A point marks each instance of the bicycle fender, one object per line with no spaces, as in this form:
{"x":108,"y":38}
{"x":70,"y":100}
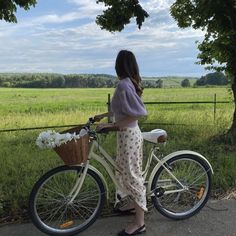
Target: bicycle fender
{"x":102,"y":178}
{"x":171,"y":155}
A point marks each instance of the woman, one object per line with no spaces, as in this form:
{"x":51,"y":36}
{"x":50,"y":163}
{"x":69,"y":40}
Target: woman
{"x":127,"y":107}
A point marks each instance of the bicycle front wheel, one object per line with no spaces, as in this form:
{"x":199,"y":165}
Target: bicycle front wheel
{"x":51,"y":210}
{"x":175,"y":201}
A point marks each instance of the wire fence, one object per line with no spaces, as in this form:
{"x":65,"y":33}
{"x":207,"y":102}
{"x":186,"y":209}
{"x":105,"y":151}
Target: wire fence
{"x":214,"y":102}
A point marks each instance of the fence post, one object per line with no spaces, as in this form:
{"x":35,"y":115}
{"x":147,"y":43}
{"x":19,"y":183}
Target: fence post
{"x":109,"y":108}
{"x":214,"y":107}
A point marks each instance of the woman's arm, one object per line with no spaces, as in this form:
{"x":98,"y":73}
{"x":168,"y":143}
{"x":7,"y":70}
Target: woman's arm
{"x":103,"y":115}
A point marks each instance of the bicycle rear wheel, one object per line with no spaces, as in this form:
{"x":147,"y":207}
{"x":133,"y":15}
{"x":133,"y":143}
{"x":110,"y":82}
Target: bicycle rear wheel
{"x":175,"y":202}
{"x":50,"y":208}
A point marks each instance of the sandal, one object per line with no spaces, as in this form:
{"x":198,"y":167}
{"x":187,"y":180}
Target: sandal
{"x":140,"y":230}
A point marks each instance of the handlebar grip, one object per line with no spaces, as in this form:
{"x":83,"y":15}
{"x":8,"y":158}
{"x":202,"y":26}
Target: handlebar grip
{"x":91,"y":120}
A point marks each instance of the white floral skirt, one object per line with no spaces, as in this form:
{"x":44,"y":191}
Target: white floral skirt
{"x":129,"y":160}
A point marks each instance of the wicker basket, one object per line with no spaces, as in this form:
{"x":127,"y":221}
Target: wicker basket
{"x":74,"y":152}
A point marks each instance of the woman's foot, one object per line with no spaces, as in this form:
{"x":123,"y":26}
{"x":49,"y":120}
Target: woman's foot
{"x":132,"y":230}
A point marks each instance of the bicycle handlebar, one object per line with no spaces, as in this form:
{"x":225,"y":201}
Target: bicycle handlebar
{"x":91,"y":121}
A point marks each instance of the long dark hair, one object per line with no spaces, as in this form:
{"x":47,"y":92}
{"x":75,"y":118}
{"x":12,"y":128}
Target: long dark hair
{"x":127,"y":66}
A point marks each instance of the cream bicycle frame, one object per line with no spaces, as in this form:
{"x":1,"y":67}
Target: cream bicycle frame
{"x":110,"y":166}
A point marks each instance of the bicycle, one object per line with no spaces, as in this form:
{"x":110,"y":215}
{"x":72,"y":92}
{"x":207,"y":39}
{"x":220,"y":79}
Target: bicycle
{"x":68,"y":199}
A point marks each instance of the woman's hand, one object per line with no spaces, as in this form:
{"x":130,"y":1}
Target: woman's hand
{"x":101,"y":116}
{"x":98,"y":117}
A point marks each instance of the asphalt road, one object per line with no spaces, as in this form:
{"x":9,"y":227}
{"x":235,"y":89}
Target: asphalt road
{"x":218,"y":218}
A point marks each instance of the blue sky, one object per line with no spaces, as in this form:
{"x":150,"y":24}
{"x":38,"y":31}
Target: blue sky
{"x":61,"y":36}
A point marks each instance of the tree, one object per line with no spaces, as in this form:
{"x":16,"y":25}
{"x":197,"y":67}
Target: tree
{"x":159,"y":83}
{"x":8,"y":8}
{"x":216,"y":17}
{"x":119,"y":13}
{"x":216,"y":78}
{"x":185,"y":83}
{"x":57,"y":81}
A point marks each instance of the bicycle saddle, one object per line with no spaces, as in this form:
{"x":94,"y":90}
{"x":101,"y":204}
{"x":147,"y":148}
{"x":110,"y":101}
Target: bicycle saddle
{"x":155,"y":136}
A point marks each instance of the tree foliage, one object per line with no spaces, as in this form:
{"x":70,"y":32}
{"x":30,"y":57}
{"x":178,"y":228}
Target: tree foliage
{"x":50,"y":80}
{"x":153,"y":83}
{"x":8,"y":8}
{"x":119,"y":13}
{"x":218,"y":19}
{"x":185,"y":83}
{"x":216,"y":78}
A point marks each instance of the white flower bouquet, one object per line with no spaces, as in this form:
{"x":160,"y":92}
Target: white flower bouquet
{"x":71,"y":147}
{"x":51,"y":139}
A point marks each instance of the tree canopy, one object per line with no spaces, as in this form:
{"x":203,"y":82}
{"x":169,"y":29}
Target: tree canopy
{"x":185,"y":83}
{"x":119,"y":13}
{"x":8,"y":8}
{"x":216,"y":78}
{"x":218,"y":19}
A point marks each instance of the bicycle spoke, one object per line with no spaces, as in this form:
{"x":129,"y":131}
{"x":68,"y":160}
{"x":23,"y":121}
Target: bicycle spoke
{"x":47,"y":201}
{"x":51,"y":190}
{"x":90,"y":209}
{"x":62,"y":216}
{"x":50,"y":218}
{"x":198,"y":178}
{"x":78,"y":212}
{"x":89,"y":197}
{"x":48,"y":209}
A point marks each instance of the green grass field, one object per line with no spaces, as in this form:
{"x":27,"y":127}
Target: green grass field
{"x":189,"y":126}
{"x":43,"y":107}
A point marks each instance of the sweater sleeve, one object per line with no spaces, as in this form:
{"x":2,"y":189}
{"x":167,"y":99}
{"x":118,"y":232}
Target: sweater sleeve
{"x":131,"y":104}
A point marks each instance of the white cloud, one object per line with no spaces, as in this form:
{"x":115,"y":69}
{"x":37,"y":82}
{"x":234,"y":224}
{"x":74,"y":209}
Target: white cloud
{"x":155,"y":6}
{"x":71,"y":42}
{"x":54,"y":18}
{"x":88,"y":8}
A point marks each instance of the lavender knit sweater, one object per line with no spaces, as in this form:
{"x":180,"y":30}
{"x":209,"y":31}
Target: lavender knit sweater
{"x":126,"y":102}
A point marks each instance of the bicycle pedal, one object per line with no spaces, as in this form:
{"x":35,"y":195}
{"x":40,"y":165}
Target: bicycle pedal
{"x":66,"y":224}
{"x":159,"y":192}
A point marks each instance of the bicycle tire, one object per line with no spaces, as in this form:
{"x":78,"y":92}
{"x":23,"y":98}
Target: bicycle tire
{"x":198,"y":193}
{"x":47,"y":197}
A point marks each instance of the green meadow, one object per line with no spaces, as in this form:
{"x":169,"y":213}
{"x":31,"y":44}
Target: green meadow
{"x":189,"y":126}
{"x":36,"y":107}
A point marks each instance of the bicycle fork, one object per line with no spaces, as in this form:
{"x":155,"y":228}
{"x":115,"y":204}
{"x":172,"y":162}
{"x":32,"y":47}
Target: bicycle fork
{"x":80,"y":180}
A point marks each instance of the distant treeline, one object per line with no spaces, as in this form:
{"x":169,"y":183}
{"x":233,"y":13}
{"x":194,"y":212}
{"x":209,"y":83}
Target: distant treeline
{"x":50,"y":80}
{"x":45,"y":80}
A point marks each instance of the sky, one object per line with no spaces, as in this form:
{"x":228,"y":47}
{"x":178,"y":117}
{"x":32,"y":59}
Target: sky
{"x":61,"y":36}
